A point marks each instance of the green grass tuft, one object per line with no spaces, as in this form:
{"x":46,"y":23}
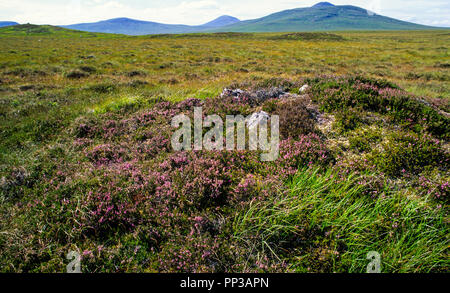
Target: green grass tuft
{"x":326,"y":223}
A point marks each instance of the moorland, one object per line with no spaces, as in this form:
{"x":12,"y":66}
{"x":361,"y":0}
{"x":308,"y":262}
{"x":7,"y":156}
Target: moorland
{"x":86,"y":163}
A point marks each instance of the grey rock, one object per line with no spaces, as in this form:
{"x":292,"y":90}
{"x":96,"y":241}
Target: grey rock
{"x":258,"y":119}
{"x":304,"y":88}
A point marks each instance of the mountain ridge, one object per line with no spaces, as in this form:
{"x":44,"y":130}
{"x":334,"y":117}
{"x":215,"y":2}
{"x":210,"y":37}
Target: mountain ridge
{"x":323,"y":4}
{"x":8,"y":23}
{"x":323,"y":16}
{"x":130,"y":26}
{"x":222,"y":21}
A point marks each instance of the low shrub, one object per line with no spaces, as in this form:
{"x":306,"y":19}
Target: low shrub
{"x":341,"y":94}
{"x":76,"y":74}
{"x":409,"y":153}
{"x":102,"y":88}
{"x":88,"y":69}
{"x":347,"y":120}
{"x":434,"y":185}
{"x":295,"y":119}
{"x":106,"y":154}
{"x":308,"y":150}
{"x":363,"y":139}
{"x":85,"y":127}
{"x":136,"y":73}
{"x":308,"y":37}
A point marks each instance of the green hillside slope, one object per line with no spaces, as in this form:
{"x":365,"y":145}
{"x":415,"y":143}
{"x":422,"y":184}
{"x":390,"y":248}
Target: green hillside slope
{"x":322,"y":18}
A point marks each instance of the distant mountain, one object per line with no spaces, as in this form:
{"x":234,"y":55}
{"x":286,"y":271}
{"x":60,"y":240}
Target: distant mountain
{"x":323,"y":4}
{"x":44,"y":30}
{"x":129,"y":26}
{"x":323,"y":16}
{"x":7,"y":23}
{"x":222,"y":21}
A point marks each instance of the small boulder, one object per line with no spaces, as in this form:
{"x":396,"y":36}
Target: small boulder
{"x":273,"y":93}
{"x":232,"y":93}
{"x":256,"y":119}
{"x":304,"y":88}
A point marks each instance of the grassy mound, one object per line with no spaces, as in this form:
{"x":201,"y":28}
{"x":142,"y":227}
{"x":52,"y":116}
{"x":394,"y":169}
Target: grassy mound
{"x":309,"y":37}
{"x":122,"y":191}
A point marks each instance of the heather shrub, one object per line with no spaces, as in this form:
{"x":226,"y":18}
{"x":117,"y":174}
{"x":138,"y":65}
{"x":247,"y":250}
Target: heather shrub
{"x":207,"y":182}
{"x":227,"y":106}
{"x":197,"y":254}
{"x":256,"y":187}
{"x":364,"y":139}
{"x":270,"y":106}
{"x":159,"y":115}
{"x":135,"y":73}
{"x":105,"y":154}
{"x":129,"y":254}
{"x":200,"y":252}
{"x":112,"y":128}
{"x":88,"y":69}
{"x":189,"y":104}
{"x":247,"y":188}
{"x":339,"y":94}
{"x":438,"y":187}
{"x":115,"y":201}
{"x":276,"y":82}
{"x":93,"y":127}
{"x":308,"y":150}
{"x":85,"y":127}
{"x":196,"y":181}
{"x":409,"y":153}
{"x":155,"y":144}
{"x":347,"y":120}
{"x":77,"y":74}
{"x":201,"y":179}
{"x":373,"y":185}
{"x":295,"y":119}
{"x":108,"y":211}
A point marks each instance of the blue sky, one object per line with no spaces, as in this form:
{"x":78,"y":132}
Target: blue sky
{"x":193,"y":12}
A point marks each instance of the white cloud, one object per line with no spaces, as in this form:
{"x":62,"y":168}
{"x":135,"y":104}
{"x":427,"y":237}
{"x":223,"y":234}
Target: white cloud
{"x":23,"y":11}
